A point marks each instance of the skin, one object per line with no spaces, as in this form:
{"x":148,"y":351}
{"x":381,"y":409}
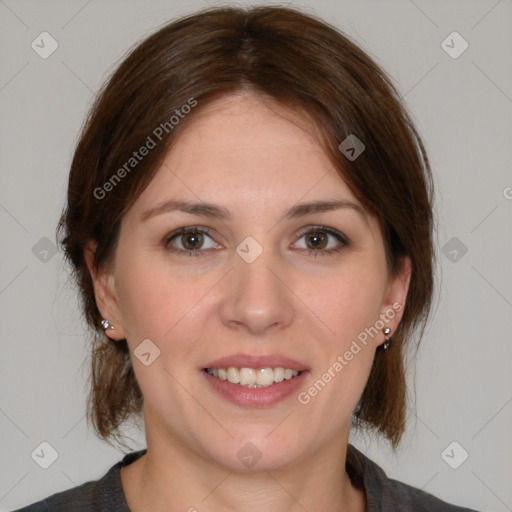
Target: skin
{"x":257,"y":159}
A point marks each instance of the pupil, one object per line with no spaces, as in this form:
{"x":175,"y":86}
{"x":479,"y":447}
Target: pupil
{"x":193,"y":241}
{"x":319,"y":240}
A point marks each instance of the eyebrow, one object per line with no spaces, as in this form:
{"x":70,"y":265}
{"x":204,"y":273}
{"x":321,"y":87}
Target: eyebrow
{"x":219,"y":212}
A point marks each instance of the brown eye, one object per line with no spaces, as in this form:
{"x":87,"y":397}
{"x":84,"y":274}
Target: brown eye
{"x":191,"y":241}
{"x":321,"y":241}
{"x":316,"y":240}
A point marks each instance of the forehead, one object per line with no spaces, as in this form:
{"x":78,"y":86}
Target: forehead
{"x":243,"y":149}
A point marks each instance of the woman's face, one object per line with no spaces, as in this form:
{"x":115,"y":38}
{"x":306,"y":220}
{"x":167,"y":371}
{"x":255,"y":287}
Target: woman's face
{"x":261,"y":282}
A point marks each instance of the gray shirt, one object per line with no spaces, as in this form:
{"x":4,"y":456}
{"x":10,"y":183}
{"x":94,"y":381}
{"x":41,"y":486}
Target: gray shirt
{"x":382,"y":493}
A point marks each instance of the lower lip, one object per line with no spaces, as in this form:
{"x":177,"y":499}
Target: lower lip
{"x":255,"y":397}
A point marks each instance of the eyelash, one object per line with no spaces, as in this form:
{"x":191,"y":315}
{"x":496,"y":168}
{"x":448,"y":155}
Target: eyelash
{"x":342,"y":239}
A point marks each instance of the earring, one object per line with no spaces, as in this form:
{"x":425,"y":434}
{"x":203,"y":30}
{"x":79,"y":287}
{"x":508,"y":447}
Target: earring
{"x":106,"y":325}
{"x":386,"y":332}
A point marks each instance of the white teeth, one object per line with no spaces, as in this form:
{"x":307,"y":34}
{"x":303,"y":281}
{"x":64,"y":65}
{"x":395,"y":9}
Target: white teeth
{"x":250,"y":378}
{"x":265,"y":377}
{"x":247,"y":376}
{"x":279,"y":374}
{"x":233,"y":375}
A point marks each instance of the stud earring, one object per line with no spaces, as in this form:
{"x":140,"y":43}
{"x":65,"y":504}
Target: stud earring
{"x":386,"y":332}
{"x":106,"y":325}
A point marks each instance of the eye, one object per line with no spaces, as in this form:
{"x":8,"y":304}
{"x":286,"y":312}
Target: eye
{"x":320,"y":240}
{"x":194,"y":240}
{"x":189,"y":240}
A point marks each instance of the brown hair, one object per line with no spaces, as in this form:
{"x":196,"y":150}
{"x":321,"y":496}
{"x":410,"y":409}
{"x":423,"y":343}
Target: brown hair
{"x":304,"y":64}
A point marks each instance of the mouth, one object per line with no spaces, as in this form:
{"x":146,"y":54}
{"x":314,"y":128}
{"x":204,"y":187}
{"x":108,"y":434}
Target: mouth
{"x":255,"y":381}
{"x":253,"y":378}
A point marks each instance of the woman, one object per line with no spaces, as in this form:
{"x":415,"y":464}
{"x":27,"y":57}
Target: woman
{"x":249,"y":222}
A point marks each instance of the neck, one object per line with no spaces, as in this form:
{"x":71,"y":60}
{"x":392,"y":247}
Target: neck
{"x":170,"y":479}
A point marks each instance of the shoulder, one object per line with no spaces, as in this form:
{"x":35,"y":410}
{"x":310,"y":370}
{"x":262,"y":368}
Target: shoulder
{"x":98,"y":495}
{"x":418,"y":500}
{"x":81,"y":498}
{"x":384,"y":494}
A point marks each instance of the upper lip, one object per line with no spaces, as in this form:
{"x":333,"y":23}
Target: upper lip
{"x":256,"y":362}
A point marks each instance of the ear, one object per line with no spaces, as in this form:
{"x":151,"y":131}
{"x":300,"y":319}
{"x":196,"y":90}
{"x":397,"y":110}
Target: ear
{"x":104,"y":293}
{"x":394,"y":303}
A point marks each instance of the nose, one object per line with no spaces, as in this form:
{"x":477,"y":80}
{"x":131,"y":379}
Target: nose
{"x":257,"y":299}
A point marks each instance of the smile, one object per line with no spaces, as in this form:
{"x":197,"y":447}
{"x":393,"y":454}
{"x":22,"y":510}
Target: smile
{"x":253,"y":378}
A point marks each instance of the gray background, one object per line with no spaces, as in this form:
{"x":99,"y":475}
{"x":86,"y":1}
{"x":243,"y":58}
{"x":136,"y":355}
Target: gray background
{"x":463,"y":109}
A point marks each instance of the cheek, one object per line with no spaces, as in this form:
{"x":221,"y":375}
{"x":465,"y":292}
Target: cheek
{"x":348,"y":306}
{"x":155,"y":301}
{"x":146,"y":297}
{"x":158,"y":304}
{"x":349,"y":301}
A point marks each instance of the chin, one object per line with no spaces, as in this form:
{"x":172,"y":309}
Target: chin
{"x":257,"y":452}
